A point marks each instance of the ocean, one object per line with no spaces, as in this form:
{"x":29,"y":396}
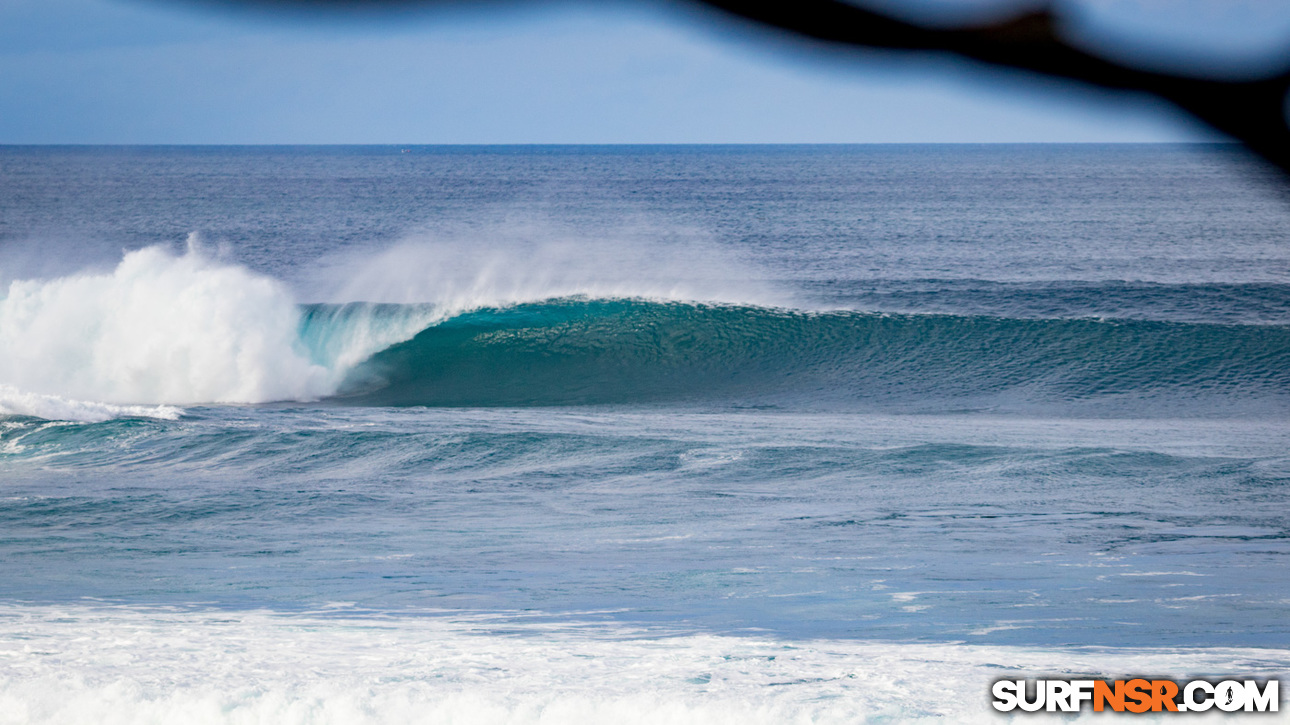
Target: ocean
{"x":635,"y":434}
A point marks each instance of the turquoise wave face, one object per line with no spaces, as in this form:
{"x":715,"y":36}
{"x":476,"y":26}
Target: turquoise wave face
{"x":583,"y":351}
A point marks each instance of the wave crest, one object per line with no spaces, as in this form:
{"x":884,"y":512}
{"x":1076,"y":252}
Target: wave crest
{"x":586,"y":351}
{"x":166,"y":329}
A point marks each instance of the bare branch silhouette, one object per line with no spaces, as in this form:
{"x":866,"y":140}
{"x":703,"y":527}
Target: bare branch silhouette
{"x":1251,"y":111}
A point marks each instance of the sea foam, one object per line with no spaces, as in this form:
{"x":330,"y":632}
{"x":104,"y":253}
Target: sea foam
{"x":118,"y":665}
{"x":52,"y":407}
{"x":160,"y":328}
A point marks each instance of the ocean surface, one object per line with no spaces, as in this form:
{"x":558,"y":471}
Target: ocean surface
{"x":801,"y":434}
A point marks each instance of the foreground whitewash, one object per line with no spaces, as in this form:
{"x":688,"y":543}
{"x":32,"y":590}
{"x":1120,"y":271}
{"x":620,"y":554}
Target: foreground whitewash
{"x":97,"y":664}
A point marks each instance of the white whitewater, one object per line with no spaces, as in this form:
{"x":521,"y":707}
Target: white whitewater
{"x":52,"y":407}
{"x":82,"y":663}
{"x":160,"y":328}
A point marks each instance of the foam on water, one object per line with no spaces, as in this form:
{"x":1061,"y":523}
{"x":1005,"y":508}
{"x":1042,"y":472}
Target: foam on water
{"x":164,"y":329}
{"x":81,"y":663}
{"x":159,"y":328}
{"x":52,"y":407}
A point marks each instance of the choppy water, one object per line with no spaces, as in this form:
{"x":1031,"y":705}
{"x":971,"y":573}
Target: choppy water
{"x":635,"y":434}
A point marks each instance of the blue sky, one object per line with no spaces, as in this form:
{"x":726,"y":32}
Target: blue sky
{"x":150,"y":71}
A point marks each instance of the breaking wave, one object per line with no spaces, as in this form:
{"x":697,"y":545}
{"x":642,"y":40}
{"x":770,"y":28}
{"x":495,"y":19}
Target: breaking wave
{"x":159,"y":328}
{"x":587,"y":351}
{"x":164,"y":330}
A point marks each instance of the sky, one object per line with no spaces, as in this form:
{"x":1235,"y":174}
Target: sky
{"x":163,"y":72}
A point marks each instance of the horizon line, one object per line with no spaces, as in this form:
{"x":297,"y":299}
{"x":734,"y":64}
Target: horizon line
{"x":1219,"y":142}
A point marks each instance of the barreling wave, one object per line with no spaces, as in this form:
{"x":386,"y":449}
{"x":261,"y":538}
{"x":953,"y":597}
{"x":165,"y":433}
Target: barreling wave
{"x":575,"y":351}
{"x":163,"y":329}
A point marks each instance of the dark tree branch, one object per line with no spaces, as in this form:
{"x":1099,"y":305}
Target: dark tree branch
{"x":1253,"y":112}
{"x":1250,"y":111}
